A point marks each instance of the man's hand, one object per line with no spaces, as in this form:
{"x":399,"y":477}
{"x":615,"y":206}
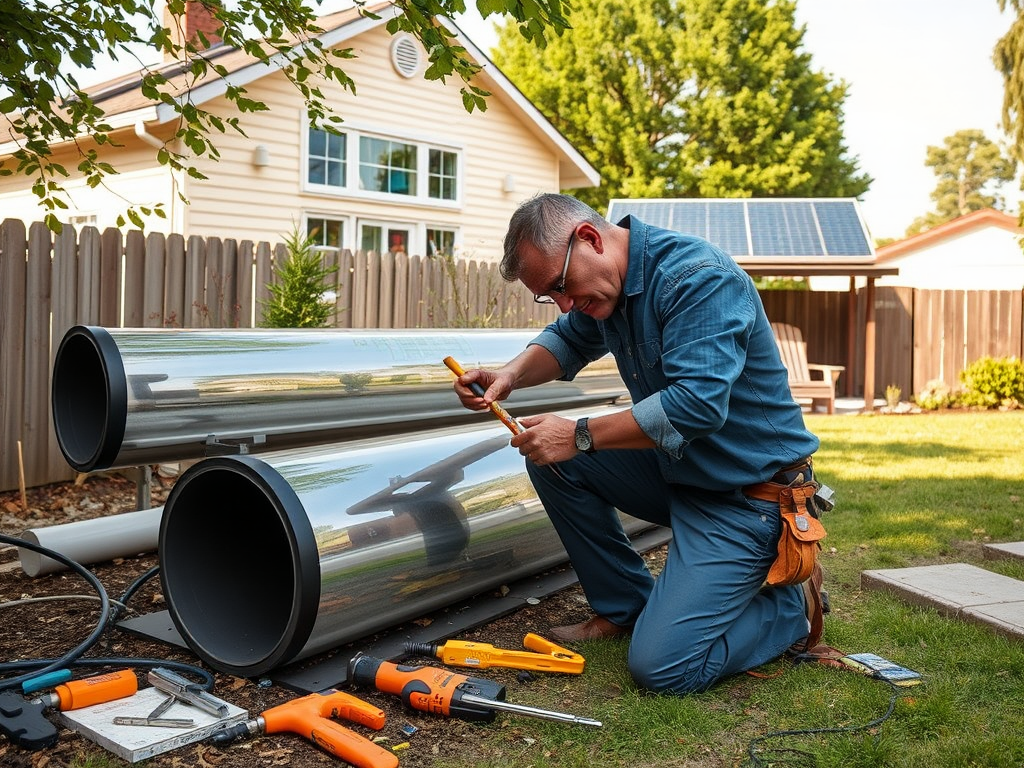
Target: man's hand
{"x":548,"y":439}
{"x":497,"y":386}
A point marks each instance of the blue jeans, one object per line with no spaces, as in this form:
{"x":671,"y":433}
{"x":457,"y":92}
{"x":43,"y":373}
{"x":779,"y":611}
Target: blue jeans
{"x":706,"y":616}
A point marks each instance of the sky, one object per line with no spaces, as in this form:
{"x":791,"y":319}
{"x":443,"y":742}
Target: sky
{"x":918,"y":71}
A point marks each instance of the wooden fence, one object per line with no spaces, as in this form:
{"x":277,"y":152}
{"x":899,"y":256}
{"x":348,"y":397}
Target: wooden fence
{"x":112,"y":279}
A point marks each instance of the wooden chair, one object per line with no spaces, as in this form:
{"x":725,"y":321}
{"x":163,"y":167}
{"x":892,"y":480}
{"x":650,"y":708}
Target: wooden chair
{"x":814,"y":382}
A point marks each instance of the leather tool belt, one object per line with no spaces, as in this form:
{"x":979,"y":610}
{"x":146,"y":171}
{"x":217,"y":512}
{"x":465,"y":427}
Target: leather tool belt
{"x":802,"y":531}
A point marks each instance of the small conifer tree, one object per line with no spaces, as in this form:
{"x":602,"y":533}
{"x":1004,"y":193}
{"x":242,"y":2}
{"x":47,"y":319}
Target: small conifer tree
{"x":297,"y":293}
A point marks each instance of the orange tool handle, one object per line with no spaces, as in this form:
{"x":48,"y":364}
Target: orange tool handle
{"x":497,"y":410}
{"x":543,"y":656}
{"x":96,"y":689}
{"x":310,"y":716}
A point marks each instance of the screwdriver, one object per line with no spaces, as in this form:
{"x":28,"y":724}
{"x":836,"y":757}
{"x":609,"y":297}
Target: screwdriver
{"x":443,"y":692}
{"x":497,"y":410}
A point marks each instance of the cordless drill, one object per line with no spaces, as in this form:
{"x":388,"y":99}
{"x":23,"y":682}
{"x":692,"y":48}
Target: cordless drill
{"x":442,"y":692}
{"x":310,"y":715}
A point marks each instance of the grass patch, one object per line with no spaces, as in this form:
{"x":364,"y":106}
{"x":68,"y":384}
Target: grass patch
{"x":911,"y":490}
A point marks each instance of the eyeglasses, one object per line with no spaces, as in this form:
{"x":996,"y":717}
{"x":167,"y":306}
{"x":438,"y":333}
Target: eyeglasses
{"x":558,"y":287}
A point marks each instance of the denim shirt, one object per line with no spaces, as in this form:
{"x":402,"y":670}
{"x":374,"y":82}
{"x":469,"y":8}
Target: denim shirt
{"x":696,"y":352}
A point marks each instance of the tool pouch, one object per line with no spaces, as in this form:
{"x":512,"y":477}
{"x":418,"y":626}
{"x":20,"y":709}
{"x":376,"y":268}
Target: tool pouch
{"x":800,"y":539}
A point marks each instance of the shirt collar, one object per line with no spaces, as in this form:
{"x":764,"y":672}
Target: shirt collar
{"x":637,"y":250}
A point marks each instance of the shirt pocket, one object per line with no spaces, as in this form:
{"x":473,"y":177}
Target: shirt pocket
{"x":649,"y":353}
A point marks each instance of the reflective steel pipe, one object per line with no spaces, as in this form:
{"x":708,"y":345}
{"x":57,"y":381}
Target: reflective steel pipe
{"x":131,"y":396}
{"x":265,"y":560}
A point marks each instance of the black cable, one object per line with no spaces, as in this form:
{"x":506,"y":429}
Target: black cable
{"x":73,"y":658}
{"x":134,"y":587}
{"x":757,"y":762}
{"x":68,"y":658}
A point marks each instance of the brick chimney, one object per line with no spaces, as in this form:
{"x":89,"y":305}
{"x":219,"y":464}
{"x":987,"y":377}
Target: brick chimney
{"x":197,"y":17}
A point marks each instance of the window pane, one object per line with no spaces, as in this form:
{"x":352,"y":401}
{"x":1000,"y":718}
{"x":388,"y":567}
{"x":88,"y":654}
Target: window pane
{"x":443,"y":172}
{"x":440,"y":242}
{"x":335,"y":173}
{"x":317,"y":142}
{"x":387,"y":166}
{"x":326,"y":232}
{"x":370,"y":238}
{"x":317,"y":170}
{"x":326,"y":158}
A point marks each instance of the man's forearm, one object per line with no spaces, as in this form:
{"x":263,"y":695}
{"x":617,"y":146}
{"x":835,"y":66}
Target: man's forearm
{"x":534,"y":365}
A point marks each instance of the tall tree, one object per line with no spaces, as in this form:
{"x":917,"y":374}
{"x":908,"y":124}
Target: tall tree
{"x":688,"y":98}
{"x":44,"y":44}
{"x":1009,"y":60}
{"x":968,"y":166}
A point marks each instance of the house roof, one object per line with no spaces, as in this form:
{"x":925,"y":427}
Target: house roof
{"x":961,"y":225}
{"x":125,"y":105}
{"x":770,"y":236}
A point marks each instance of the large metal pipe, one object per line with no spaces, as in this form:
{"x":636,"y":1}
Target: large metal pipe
{"x":124,"y":397}
{"x":269,"y":559}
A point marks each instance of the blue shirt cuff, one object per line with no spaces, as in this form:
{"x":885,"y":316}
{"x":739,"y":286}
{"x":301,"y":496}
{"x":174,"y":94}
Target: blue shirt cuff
{"x":651,"y":417}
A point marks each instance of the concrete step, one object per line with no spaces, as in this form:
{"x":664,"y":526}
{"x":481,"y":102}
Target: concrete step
{"x":1011,"y":550}
{"x":959,"y":590}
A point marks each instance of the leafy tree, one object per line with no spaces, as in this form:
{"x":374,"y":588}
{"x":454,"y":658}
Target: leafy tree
{"x":297,"y":295}
{"x":45,"y":43}
{"x":687,"y":98}
{"x":1009,"y":60}
{"x":967,"y":166}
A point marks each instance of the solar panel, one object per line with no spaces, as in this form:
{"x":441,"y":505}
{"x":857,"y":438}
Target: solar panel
{"x":762,"y":229}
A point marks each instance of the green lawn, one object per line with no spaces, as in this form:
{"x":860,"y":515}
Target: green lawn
{"x":911,"y":490}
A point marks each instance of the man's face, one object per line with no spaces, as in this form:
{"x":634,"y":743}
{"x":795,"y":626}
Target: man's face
{"x":584,"y":279}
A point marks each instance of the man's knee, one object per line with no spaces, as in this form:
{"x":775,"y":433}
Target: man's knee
{"x":661,"y":675}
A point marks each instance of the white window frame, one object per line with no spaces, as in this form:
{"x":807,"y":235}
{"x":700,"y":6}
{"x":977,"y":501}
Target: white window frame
{"x":345,"y":221}
{"x":353,"y":135}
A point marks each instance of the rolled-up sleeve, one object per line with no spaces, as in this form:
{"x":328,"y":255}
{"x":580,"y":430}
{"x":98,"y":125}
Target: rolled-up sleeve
{"x":650,"y":416}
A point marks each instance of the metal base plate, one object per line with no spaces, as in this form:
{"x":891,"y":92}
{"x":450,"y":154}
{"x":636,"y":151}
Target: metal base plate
{"x":330,"y":670}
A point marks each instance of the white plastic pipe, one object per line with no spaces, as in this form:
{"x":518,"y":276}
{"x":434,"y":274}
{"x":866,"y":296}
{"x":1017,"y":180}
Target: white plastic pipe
{"x":92,"y":541}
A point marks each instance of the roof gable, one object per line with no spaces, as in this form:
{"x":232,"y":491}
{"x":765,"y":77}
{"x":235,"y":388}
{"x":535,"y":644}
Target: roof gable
{"x":983,"y":219}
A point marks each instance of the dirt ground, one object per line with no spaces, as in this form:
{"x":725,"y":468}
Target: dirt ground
{"x":49,"y":629}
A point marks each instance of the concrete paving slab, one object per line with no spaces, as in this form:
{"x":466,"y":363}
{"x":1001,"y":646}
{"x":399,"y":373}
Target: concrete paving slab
{"x":959,"y":590}
{"x":1010,"y":550}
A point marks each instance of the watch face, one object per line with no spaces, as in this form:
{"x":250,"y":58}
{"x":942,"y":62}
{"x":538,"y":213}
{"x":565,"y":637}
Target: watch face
{"x":583,"y":440}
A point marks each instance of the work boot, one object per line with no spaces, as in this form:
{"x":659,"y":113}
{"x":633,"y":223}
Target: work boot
{"x":596,"y":628}
{"x":816,"y":605}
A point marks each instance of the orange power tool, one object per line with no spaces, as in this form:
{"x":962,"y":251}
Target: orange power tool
{"x":443,"y":692}
{"x":310,"y":716}
{"x":91,"y":690}
{"x":24,"y":724}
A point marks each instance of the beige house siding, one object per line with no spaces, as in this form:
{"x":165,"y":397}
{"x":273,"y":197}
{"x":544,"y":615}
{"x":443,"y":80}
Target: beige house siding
{"x":260,"y":203}
{"x":505,"y":157}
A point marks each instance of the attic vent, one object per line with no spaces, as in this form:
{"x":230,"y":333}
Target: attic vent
{"x":406,"y":56}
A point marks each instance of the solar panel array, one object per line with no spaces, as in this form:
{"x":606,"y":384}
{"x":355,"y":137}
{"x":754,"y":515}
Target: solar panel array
{"x":764,"y":229}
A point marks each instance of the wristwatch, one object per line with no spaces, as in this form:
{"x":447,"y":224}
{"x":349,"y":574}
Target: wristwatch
{"x":584,"y":442}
